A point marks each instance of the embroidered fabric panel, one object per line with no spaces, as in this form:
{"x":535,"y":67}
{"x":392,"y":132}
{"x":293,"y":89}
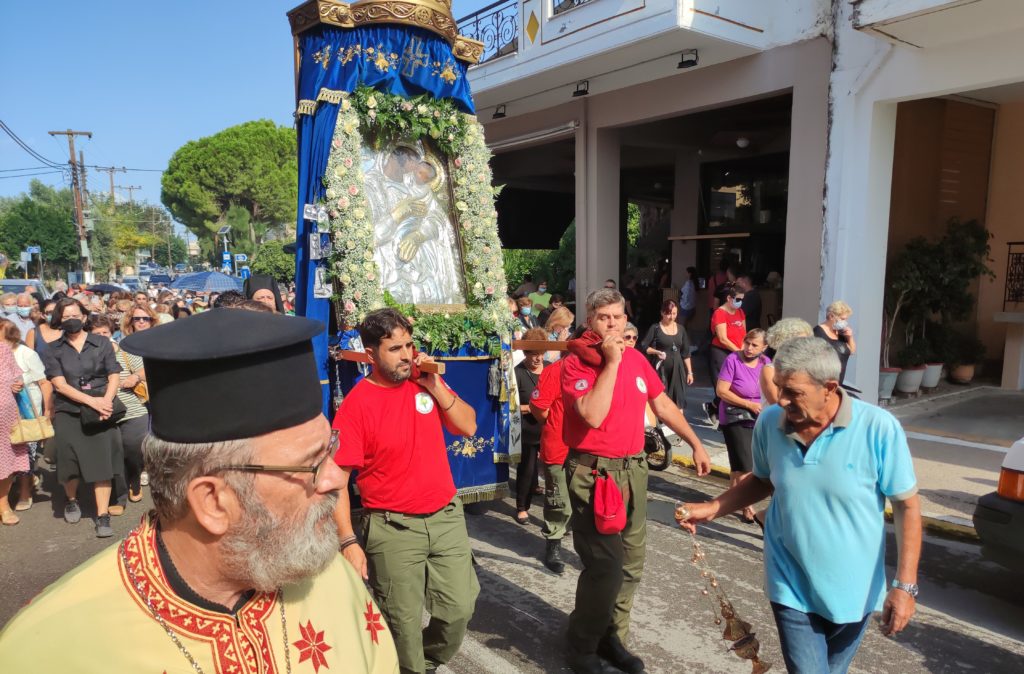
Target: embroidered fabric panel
{"x":236,"y":650}
{"x":401,"y":60}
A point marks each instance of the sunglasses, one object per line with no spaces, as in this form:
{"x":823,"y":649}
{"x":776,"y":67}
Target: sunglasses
{"x":142,"y":319}
{"x":629,"y":338}
{"x":332,"y":449}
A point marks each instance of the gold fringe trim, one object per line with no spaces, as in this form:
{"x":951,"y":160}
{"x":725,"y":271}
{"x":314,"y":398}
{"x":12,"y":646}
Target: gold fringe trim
{"x":308,"y":107}
{"x":506,"y":458}
{"x":491,"y":492}
{"x":454,"y":358}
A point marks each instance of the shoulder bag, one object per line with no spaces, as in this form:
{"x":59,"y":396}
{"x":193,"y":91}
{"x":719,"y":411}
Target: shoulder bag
{"x":30,"y":429}
{"x":91,"y":418}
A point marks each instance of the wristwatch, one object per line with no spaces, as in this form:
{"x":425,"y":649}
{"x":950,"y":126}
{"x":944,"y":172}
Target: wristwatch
{"x":909,"y":588}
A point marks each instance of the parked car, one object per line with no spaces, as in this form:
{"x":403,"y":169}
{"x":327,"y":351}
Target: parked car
{"x":134,"y":283}
{"x":180,"y":268}
{"x":999,"y":515}
{"x":17,"y":285}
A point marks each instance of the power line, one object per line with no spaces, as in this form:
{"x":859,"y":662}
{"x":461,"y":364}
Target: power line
{"x":29,"y":175}
{"x":132,"y":169}
{"x":24,"y":146}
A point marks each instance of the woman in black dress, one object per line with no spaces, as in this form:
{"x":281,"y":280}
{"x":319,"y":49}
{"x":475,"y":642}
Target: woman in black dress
{"x":80,"y":365}
{"x":837,"y":332}
{"x":527,"y":376}
{"x":668,"y":348}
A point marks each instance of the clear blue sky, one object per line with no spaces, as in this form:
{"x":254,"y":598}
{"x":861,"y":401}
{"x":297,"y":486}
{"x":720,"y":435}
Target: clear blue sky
{"x":144,"y":77}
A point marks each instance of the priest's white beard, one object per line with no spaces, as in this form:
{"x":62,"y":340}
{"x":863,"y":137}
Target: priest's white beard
{"x":266,"y":553}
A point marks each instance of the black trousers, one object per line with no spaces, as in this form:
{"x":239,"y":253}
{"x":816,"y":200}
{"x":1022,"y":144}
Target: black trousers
{"x":526,"y":476}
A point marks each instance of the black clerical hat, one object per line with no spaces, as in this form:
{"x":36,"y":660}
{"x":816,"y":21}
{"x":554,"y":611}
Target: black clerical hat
{"x":228,"y":374}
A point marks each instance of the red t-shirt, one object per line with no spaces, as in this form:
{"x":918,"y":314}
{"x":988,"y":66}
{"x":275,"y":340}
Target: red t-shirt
{"x":622,"y":432}
{"x":548,"y":396}
{"x":735,"y":327}
{"x":393,"y":437}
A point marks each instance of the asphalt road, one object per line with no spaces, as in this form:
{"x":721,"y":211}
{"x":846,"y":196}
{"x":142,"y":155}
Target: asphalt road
{"x":970,"y":616}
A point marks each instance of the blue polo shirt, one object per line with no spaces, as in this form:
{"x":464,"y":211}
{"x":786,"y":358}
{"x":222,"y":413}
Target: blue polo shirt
{"x":824,"y":545}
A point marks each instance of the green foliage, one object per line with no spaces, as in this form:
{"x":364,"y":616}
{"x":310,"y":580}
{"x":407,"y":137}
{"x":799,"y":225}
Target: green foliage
{"x":914,"y":354}
{"x":179,"y":251}
{"x":272,"y":260}
{"x":251,"y":166}
{"x":632,"y":224}
{"x":393,"y":118}
{"x":445,"y":332}
{"x":43,"y":217}
{"x":557,"y":266}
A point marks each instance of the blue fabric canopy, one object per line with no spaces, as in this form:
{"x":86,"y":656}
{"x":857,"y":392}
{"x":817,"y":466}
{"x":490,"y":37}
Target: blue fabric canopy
{"x":397,"y":59}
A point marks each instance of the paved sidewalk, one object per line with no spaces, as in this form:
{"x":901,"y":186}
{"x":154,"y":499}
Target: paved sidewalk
{"x":958,"y":441}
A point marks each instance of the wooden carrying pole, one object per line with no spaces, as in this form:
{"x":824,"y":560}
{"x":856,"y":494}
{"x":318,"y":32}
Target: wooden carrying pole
{"x":361,"y":357}
{"x":539,"y":345}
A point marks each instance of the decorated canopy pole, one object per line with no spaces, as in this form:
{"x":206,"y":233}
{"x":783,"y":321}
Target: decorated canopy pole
{"x":396,"y":208}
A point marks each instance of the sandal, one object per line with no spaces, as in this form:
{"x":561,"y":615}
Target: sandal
{"x":524,"y":520}
{"x":8,"y":518}
{"x":24,"y":504}
{"x":135,"y":497}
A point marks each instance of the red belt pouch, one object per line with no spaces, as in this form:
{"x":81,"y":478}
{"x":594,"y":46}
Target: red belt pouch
{"x":609,"y":507}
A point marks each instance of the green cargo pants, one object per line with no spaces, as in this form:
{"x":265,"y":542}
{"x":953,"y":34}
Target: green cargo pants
{"x":416,"y":561}
{"x":557,"y":509}
{"x":612,"y":563}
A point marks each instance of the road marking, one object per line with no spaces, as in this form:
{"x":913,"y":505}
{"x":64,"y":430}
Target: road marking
{"x":914,"y":435}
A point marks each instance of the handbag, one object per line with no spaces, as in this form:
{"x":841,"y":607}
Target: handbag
{"x":91,"y":418}
{"x":30,"y":429}
{"x":141,"y":390}
{"x":735,"y":415}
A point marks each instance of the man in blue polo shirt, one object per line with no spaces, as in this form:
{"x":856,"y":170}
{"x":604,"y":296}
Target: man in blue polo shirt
{"x":830,"y":462}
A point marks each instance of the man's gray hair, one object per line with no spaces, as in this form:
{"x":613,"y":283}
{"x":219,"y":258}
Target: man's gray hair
{"x":172,"y":465}
{"x":602,"y":297}
{"x":812,"y":356}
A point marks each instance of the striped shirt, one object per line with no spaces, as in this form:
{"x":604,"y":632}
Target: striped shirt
{"x":129,"y":364}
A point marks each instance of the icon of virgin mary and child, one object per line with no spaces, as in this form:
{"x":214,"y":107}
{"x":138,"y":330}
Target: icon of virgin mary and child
{"x":416,"y":247}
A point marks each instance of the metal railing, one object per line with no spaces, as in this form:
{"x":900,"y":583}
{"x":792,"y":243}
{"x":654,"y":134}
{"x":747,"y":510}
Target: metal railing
{"x":1014,"y":274}
{"x":566,"y":5}
{"x":497,"y":26}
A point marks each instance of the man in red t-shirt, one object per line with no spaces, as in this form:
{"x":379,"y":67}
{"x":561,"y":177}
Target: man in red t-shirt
{"x":604,"y":429}
{"x":546,"y":405}
{"x":390,"y":431}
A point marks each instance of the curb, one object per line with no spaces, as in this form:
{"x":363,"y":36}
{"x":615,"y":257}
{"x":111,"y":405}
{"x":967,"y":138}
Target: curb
{"x":933,"y":525}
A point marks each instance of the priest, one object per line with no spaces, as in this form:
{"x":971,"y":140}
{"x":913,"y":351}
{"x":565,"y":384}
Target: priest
{"x":237,"y":568}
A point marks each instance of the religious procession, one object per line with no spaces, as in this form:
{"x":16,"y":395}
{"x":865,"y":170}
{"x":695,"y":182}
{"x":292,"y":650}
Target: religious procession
{"x":508,"y":343}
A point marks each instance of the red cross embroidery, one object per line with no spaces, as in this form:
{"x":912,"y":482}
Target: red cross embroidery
{"x":373,"y":624}
{"x":311,"y":646}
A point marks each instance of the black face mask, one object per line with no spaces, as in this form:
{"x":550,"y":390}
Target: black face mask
{"x":72,"y":325}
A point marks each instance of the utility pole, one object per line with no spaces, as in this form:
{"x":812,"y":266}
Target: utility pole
{"x":81,"y":167}
{"x":111,"y":171}
{"x":76,"y":186}
{"x":131,"y":191}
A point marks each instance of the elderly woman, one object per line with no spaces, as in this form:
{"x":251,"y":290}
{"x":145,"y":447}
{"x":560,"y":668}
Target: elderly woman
{"x":527,"y":376}
{"x":14,"y":459}
{"x":837,"y":332}
{"x":559,"y":322}
{"x":40,"y":394}
{"x":86,"y":376}
{"x":667,"y":347}
{"x":784,"y":330}
{"x":526,"y":317}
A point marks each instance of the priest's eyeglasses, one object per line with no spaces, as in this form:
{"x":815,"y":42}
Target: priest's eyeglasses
{"x":332,"y":449}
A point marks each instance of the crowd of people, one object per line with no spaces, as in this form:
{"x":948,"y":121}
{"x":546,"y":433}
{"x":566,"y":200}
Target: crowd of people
{"x":62,"y":351}
{"x":790,"y":429}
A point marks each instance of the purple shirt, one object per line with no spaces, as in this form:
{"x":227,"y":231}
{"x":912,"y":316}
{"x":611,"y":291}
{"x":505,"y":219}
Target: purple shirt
{"x":743,"y":381}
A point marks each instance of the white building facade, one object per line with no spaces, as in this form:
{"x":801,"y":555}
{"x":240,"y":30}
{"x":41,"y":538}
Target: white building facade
{"x":766,"y":131}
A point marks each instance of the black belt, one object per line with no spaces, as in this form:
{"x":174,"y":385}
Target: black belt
{"x":388,"y":513}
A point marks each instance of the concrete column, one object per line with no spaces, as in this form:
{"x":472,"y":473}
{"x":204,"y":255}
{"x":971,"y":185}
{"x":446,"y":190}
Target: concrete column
{"x":685,"y":210}
{"x":807,"y":157}
{"x":597,"y":232}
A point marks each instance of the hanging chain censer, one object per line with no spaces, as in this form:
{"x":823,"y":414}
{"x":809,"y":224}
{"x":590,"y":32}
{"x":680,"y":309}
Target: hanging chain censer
{"x":745,"y":643}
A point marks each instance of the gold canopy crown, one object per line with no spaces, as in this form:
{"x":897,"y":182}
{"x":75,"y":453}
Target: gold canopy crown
{"x":434,"y":15}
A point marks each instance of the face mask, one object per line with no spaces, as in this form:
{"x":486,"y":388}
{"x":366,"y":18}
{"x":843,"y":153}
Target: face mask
{"x":543,"y":289}
{"x":526,"y":311}
{"x":72,"y":325}
{"x":737,"y":303}
{"x":24,"y":312}
{"x":10,"y":309}
{"x":49,"y":317}
{"x":841,"y":325}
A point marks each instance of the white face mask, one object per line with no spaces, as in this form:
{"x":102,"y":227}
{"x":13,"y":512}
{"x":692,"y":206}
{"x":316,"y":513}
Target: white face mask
{"x":737,"y":303}
{"x":841,"y":324}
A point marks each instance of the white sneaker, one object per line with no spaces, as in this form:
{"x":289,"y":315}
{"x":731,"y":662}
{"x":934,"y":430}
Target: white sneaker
{"x":144,"y":479}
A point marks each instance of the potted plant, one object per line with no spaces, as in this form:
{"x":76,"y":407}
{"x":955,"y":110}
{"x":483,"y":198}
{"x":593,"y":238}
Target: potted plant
{"x":964,"y":353}
{"x":938,"y":347}
{"x":912,"y":359}
{"x":906,"y":281}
